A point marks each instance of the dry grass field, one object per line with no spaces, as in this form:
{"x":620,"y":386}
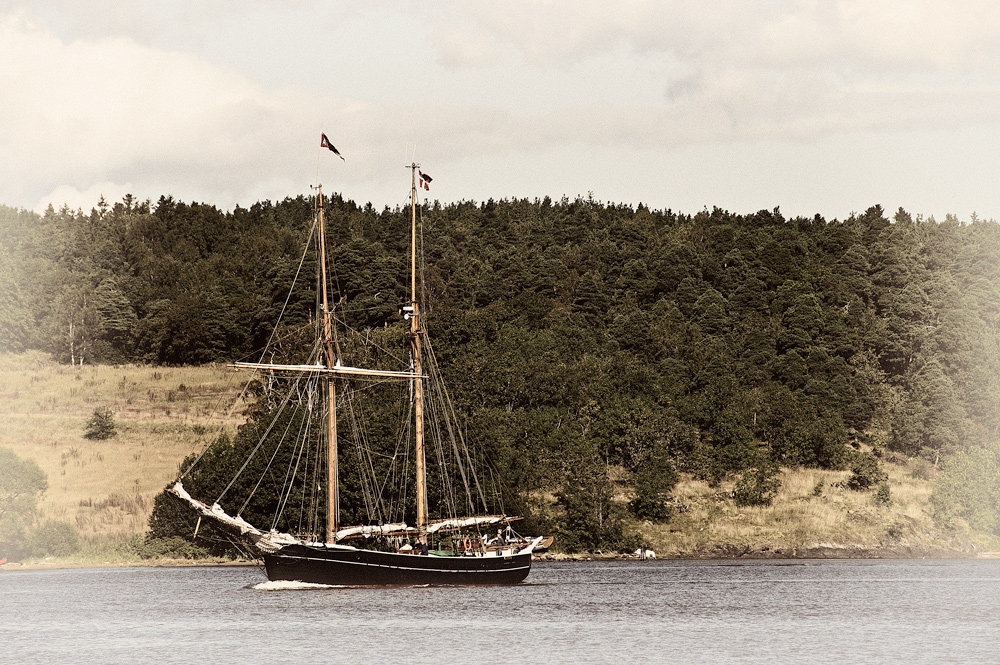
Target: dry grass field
{"x":814,"y":514}
{"x":106,"y":488}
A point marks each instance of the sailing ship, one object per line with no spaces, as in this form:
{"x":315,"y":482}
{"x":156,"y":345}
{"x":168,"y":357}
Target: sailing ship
{"x":449,"y":549}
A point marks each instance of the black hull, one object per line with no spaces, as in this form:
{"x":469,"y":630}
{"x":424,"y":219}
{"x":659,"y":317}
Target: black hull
{"x":357,"y":567}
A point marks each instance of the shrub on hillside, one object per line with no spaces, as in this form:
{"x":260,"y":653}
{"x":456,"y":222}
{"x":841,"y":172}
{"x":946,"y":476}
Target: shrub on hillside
{"x":758,"y":486}
{"x":922,"y":469}
{"x":21,"y":483}
{"x":969,"y":488}
{"x":866,"y":472}
{"x":883,"y":495}
{"x":653,"y":508}
{"x":101,"y":425}
{"x":654,"y":481}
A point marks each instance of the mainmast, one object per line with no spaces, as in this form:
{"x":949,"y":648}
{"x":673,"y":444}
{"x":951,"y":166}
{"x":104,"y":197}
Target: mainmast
{"x":330,"y":360}
{"x":418,"y":407}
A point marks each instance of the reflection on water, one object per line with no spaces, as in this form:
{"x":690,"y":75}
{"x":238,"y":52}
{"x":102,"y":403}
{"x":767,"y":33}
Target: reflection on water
{"x":596,"y":612}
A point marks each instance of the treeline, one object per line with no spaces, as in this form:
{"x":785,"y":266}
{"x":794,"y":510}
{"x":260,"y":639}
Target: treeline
{"x":577,"y":336}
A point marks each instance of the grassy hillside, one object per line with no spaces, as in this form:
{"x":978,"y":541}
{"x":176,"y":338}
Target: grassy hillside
{"x":106,"y":488}
{"x":814,"y":515}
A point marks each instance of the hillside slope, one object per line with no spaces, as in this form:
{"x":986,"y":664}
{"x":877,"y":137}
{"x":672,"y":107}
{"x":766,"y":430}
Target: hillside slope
{"x":105,"y":488}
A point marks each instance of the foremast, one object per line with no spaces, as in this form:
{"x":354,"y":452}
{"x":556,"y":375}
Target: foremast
{"x":418,"y":405}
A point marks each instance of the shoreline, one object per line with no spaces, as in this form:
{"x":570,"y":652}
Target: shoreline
{"x":803,"y":554}
{"x":141,"y":563}
{"x":719,"y":553}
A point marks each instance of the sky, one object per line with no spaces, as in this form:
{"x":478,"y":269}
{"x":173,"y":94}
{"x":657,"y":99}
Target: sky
{"x":812,"y":106}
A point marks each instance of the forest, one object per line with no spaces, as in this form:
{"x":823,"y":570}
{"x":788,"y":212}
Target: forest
{"x":578,"y":336}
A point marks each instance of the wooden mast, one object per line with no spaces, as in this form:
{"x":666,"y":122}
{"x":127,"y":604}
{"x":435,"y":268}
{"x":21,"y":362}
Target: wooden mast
{"x":330,"y":360}
{"x":418,"y":407}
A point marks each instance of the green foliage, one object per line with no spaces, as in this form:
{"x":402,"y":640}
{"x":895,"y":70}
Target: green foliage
{"x":653,"y":508}
{"x":14,"y":314}
{"x":968,"y":488}
{"x":172,"y":547}
{"x":101,"y":425}
{"x":933,"y":419}
{"x":653,"y":484}
{"x":866,"y":473}
{"x":883,"y":494}
{"x":758,"y":485}
{"x":655,"y":475}
{"x":591,"y":521}
{"x":21,"y":483}
{"x":15,"y":541}
{"x":54,"y":538}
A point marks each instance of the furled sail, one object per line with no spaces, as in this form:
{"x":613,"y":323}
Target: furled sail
{"x":266,"y":541}
{"x":464,"y":523}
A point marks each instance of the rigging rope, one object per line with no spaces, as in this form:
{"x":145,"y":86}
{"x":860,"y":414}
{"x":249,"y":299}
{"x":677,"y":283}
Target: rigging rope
{"x":274,"y":331}
{"x":291,"y":289}
{"x":266,"y":468}
{"x":301,"y":441}
{"x":284,"y":403}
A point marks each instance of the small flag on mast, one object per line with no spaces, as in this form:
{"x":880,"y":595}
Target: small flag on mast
{"x":325,"y":143}
{"x":425,"y":180}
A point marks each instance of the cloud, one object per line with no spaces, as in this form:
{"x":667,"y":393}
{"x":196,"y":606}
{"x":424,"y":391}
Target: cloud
{"x":756,"y":69}
{"x":93,"y":106}
{"x":112,"y":110}
{"x":903,"y":33}
{"x":458,"y":48}
{"x":82,"y":115}
{"x":84,"y":200}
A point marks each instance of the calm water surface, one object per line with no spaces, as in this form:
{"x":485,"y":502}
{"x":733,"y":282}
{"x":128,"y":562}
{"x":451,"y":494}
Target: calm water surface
{"x":600,"y":612}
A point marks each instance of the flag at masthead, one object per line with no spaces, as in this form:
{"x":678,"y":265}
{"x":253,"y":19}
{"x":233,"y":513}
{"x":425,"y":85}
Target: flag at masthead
{"x":325,"y":143}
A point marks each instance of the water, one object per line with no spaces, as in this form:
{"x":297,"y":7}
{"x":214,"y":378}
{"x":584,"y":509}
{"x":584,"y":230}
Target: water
{"x":598,"y":612}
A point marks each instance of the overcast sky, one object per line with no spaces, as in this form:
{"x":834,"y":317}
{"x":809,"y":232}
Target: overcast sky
{"x":813,"y":106}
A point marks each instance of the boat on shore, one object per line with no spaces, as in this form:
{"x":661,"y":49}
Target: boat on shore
{"x":447,"y":548}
